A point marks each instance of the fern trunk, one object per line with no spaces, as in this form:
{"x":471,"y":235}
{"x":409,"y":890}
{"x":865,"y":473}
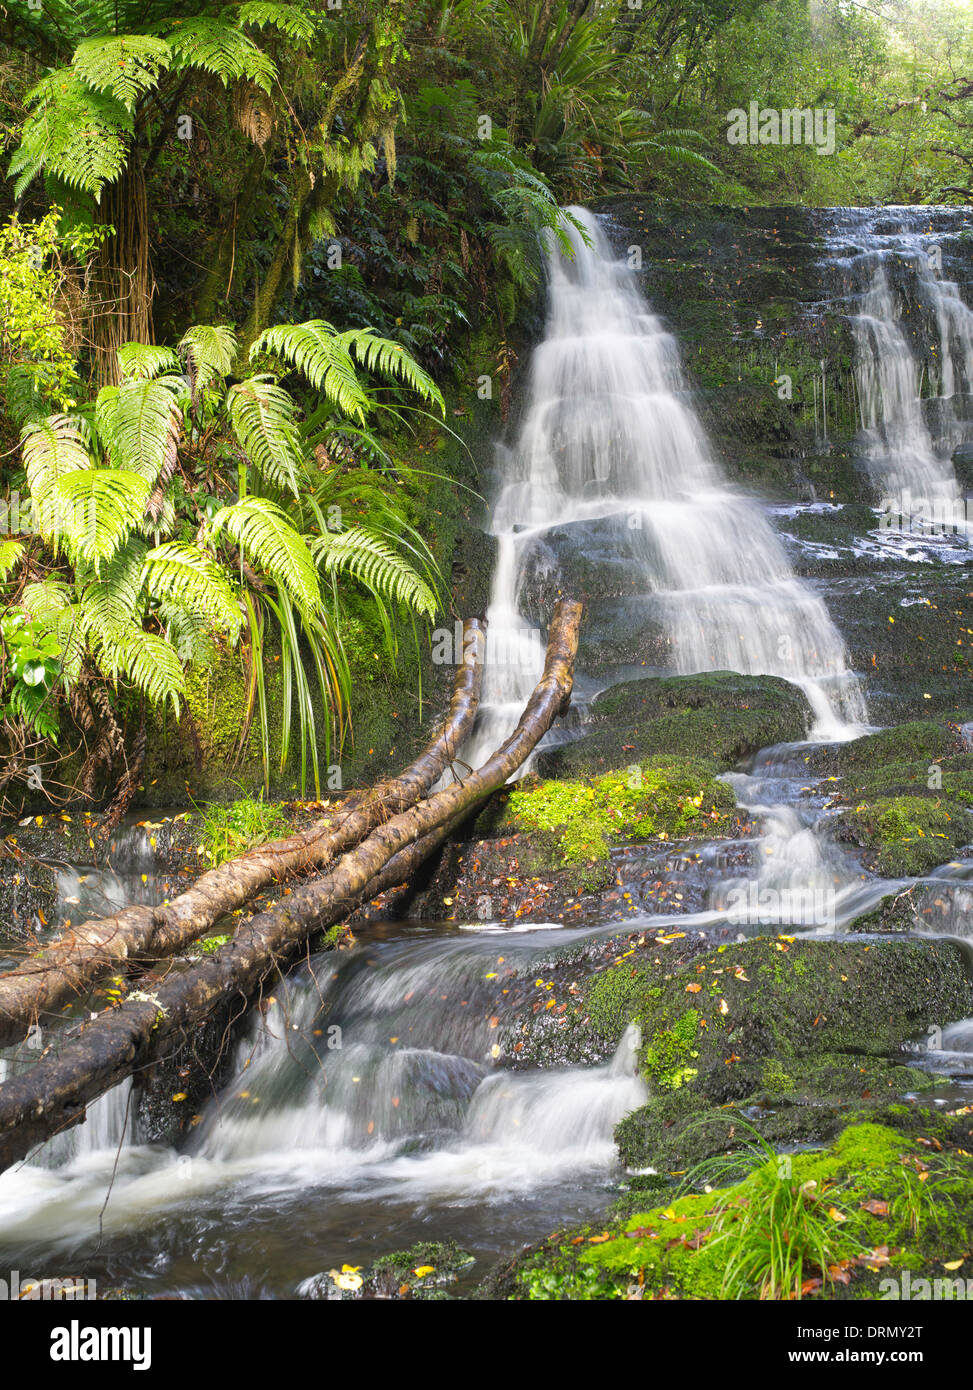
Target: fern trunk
{"x":66,"y":968}
{"x":53,"y":1094}
{"x":123,"y":277}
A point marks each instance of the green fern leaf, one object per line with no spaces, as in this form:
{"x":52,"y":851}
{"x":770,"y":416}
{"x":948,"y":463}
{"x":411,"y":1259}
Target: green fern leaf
{"x":142,"y":361}
{"x":182,"y":574}
{"x":371,"y":560}
{"x":220,"y":48}
{"x":267,"y":537}
{"x":139,"y":422}
{"x":96,"y":509}
{"x":126,"y":66}
{"x":263,"y":418}
{"x":289,"y":19}
{"x":79,"y":135}
{"x":209,"y":351}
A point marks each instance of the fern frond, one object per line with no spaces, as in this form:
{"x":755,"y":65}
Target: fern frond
{"x":189,"y":633}
{"x":45,"y":600}
{"x":125,"y":66}
{"x":95,"y":509}
{"x":10,"y":553}
{"x":289,"y":19}
{"x":210,"y":351}
{"x":153,"y":665}
{"x":316,"y":350}
{"x":111,"y":602}
{"x":267,"y":537}
{"x":391,"y":360}
{"x":327,"y":358}
{"x":79,"y":135}
{"x":143,"y":361}
{"x":371,"y":560}
{"x":183,"y":574}
{"x":263,"y":418}
{"x":222,"y":49}
{"x":52,"y":449}
{"x":139,"y":423}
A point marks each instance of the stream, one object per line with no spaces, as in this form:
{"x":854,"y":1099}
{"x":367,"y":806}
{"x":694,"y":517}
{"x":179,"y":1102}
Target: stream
{"x":368,"y":1106}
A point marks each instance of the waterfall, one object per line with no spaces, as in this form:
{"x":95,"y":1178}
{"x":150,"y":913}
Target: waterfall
{"x":610,"y":445}
{"x":913,"y":339}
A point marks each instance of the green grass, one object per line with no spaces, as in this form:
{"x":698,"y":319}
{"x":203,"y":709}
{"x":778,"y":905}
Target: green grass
{"x":232,"y":829}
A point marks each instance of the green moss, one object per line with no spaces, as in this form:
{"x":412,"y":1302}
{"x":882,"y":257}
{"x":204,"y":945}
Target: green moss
{"x":612,"y":998}
{"x":667,"y":1058}
{"x":658,"y":797}
{"x":905,"y":836}
{"x":857,"y":1207}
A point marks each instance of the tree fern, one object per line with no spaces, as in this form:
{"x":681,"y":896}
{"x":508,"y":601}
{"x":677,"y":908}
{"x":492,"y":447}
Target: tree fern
{"x":180,"y":573}
{"x":125,"y":66}
{"x":268,"y":538}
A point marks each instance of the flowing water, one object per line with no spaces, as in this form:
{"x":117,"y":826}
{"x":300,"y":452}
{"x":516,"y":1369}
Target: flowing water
{"x":611,"y":453}
{"x":914,"y":344}
{"x":371,"y":1105}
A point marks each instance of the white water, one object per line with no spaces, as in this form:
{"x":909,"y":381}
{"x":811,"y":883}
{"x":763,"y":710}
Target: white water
{"x":411,"y":1110}
{"x":609,"y":436}
{"x":908,"y":405}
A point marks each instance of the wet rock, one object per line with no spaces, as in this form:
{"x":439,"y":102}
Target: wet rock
{"x":423,"y":1272}
{"x":721,"y":716}
{"x":789,"y":1031}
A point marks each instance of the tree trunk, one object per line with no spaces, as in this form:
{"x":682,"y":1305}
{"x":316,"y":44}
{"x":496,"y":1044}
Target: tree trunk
{"x":65,"y":969}
{"x":53,"y":1094}
{"x":124,"y":280}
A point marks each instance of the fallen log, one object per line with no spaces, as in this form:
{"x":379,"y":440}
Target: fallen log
{"x":66,"y":968}
{"x":97,"y":1055}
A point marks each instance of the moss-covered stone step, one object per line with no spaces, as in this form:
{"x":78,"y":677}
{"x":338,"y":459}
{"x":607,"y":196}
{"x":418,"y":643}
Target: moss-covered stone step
{"x":720,"y":716}
{"x":883,"y":1206}
{"x":905,"y":794}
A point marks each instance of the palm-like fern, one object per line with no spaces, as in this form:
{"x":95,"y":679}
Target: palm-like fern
{"x":102,"y":485}
{"x":83,"y":114}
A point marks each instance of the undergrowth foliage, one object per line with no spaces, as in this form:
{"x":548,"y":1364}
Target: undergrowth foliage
{"x":180,"y":511}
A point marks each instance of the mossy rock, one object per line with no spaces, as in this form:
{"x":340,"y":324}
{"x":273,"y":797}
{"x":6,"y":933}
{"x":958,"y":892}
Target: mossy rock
{"x":718,"y":716}
{"x":786,"y":1031}
{"x":657,"y":797}
{"x":790,"y":997}
{"x":856,"y":1213}
{"x":906,"y":836}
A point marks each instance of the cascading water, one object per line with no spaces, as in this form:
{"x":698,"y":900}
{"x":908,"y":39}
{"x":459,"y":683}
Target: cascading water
{"x":611,"y":452}
{"x":914,"y":349}
{"x":371,"y":1084}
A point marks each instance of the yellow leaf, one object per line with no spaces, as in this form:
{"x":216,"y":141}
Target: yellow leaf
{"x":421,"y":1271}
